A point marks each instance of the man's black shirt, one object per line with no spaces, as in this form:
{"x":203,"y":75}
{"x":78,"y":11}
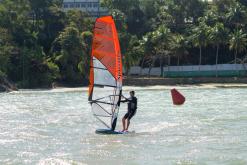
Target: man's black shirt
{"x":132,"y":103}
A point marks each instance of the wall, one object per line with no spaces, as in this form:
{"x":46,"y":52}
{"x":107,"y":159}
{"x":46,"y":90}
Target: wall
{"x":221,"y":70}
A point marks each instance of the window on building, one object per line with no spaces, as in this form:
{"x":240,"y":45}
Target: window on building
{"x":77,"y":5}
{"x":71,"y":5}
{"x":95,"y":5}
{"x":83,"y":5}
{"x":65,"y":6}
{"x":89,"y":4}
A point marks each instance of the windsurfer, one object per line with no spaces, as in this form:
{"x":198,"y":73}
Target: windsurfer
{"x":132,"y":107}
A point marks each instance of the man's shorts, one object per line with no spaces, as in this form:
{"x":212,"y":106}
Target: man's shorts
{"x":130,"y":114}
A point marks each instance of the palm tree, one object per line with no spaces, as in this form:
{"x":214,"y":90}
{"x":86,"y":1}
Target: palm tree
{"x":199,"y":37}
{"x":217,"y":36}
{"x":133,"y":53}
{"x":156,"y":45}
{"x":238,"y":42}
{"x":148,"y":48}
{"x":179,"y":46}
{"x":162,"y":39}
{"x":236,"y":15}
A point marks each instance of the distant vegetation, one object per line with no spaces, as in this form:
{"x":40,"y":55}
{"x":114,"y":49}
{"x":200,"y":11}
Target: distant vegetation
{"x":41,"y":44}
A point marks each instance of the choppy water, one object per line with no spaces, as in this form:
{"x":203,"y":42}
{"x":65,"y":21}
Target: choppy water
{"x":57,"y":127}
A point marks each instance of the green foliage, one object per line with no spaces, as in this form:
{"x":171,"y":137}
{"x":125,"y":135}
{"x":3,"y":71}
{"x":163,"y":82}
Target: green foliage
{"x":162,"y":40}
{"x":179,"y":46}
{"x":53,"y":71}
{"x":199,"y":35}
{"x":72,"y":52}
{"x":5,"y":49}
{"x":238,"y":42}
{"x":40,"y":43}
{"x":2,"y":74}
{"x":83,"y":65}
{"x":80,"y":20}
{"x":120,"y":20}
{"x":129,"y":12}
{"x":133,"y":54}
{"x":218,"y":34}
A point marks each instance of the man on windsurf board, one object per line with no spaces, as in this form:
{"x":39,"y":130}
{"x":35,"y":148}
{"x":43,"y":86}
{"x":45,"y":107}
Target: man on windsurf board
{"x":132,"y":107}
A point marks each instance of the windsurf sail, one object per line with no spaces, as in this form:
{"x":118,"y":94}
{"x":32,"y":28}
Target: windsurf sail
{"x":105,"y":86}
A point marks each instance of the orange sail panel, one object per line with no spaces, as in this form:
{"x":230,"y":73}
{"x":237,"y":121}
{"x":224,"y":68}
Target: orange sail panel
{"x":106,"y":46}
{"x":106,"y":72}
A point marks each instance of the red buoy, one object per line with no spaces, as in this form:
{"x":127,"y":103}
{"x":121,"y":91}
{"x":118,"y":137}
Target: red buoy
{"x":177,"y":98}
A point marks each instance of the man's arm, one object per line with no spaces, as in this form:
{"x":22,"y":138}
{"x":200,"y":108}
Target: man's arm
{"x":125,"y":99}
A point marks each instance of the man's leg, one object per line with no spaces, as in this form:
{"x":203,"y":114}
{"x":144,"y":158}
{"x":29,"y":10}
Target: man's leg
{"x":123,"y":122}
{"x":128,"y":123}
{"x":128,"y":119}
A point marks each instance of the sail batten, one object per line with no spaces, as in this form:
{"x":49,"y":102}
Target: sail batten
{"x":105,"y":72}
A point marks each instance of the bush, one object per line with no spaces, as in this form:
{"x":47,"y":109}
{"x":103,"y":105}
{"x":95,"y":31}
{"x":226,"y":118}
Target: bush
{"x":2,"y":74}
{"x":54,"y":73}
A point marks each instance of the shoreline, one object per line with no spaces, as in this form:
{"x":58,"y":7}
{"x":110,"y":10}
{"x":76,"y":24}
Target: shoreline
{"x":136,"y":88}
{"x":152,"y":83}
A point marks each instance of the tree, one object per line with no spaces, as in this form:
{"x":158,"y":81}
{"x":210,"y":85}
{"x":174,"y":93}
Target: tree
{"x":48,"y":21}
{"x":238,"y":42}
{"x":237,"y":15}
{"x":120,"y":21}
{"x":178,"y":14}
{"x":199,"y":37}
{"x":243,"y":2}
{"x":71,"y":54}
{"x":133,"y":53}
{"x":83,"y":65}
{"x":79,"y":19}
{"x":217,"y":36}
{"x":134,"y":16}
{"x":26,"y":64}
{"x":148,"y":48}
{"x":151,"y":10}
{"x":179,"y":46}
{"x":6,"y":48}
{"x":162,"y":39}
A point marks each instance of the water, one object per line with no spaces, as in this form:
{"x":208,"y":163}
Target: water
{"x":57,"y":127}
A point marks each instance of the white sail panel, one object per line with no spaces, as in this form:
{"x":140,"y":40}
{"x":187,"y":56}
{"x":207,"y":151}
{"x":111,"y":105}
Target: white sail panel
{"x":101,"y":75}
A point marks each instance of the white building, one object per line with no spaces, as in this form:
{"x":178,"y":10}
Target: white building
{"x":90,"y":6}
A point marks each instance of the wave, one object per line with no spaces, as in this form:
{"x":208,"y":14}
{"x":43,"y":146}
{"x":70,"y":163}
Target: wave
{"x":54,"y":161}
{"x":147,"y":128}
{"x":128,"y":88}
